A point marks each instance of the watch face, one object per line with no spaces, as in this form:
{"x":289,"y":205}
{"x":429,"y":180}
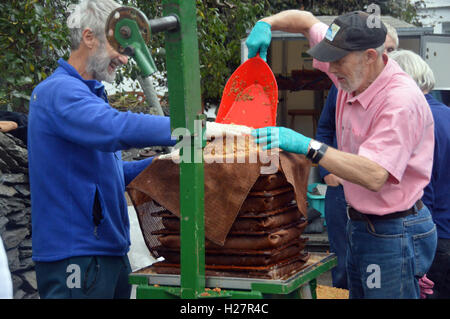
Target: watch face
{"x":315,"y":145}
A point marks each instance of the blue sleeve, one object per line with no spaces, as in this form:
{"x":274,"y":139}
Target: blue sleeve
{"x":83,"y":118}
{"x":326,"y":128}
{"x":134,"y":168}
{"x":428,"y":196}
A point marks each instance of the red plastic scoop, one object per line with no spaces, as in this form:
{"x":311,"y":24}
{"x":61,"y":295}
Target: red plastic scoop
{"x":250,"y":96}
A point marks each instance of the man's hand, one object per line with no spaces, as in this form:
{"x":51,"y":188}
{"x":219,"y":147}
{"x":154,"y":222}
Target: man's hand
{"x":332,"y":180}
{"x":214,"y":129}
{"x":6,"y":126}
{"x":282,"y":137}
{"x":259,"y":40}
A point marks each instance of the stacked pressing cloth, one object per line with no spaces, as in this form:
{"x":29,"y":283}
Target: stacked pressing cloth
{"x":252,"y":230}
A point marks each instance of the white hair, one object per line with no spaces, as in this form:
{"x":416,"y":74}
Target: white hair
{"x":380,"y":50}
{"x":416,"y":67}
{"x":392,"y":33}
{"x":89,"y":14}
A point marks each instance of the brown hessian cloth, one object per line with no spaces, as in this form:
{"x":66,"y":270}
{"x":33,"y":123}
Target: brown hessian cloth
{"x":227,"y":185}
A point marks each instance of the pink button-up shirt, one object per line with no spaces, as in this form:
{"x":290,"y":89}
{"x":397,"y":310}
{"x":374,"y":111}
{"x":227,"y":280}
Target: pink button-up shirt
{"x":391,"y":124}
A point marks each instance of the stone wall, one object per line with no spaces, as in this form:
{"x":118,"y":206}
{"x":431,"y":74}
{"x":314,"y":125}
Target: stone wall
{"x":15,"y":215}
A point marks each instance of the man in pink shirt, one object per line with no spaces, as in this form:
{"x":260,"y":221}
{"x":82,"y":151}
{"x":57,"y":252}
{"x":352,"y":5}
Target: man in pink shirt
{"x":385,"y":138}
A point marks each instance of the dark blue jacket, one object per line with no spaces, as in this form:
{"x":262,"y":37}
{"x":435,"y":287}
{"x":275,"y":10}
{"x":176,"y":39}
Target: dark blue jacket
{"x":437,"y":193}
{"x":77,"y":176}
{"x":326,"y":128}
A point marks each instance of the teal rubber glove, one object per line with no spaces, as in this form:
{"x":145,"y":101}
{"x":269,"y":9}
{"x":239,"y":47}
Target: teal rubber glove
{"x":281,"y":137}
{"x":259,"y":40}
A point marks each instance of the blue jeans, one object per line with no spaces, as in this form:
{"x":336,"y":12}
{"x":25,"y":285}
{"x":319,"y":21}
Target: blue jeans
{"x":386,"y":258}
{"x":336,"y":218}
{"x":85,"y":277}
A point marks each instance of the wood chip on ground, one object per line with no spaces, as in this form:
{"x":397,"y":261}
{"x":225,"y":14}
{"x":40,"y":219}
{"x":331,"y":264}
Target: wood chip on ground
{"x":326,"y":292}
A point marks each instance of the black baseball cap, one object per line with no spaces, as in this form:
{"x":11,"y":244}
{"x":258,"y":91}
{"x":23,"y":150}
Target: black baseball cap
{"x":353,"y":31}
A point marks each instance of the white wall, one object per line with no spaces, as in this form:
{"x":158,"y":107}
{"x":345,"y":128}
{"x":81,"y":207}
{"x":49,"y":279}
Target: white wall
{"x":435,"y":13}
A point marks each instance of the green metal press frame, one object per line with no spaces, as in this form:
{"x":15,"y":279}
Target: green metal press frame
{"x":183,"y":76}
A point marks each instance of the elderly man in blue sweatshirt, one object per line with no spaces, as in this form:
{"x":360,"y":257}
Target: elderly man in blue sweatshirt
{"x":80,"y":225}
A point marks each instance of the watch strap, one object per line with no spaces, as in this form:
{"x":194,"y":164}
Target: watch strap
{"x":320,"y":153}
{"x":310,"y":153}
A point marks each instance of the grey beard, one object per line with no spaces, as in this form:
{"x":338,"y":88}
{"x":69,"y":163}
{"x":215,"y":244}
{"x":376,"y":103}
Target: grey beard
{"x":98,"y":65}
{"x":351,"y":87}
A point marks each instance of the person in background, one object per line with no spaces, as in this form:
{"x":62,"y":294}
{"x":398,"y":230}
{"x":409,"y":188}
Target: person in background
{"x":392,"y":42}
{"x":6,"y":289}
{"x":335,"y":203}
{"x":383,"y":160}
{"x":14,"y":123}
{"x":437,"y":194}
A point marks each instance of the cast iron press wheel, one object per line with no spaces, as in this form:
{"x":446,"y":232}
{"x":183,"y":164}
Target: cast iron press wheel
{"x":126,"y":13}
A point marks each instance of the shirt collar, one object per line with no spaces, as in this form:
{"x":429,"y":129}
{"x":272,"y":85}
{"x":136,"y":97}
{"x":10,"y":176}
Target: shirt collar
{"x":365,"y":97}
{"x":430,"y":98}
{"x":95,"y":86}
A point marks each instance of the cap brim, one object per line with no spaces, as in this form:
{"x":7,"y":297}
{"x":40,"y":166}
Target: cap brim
{"x":325,"y":52}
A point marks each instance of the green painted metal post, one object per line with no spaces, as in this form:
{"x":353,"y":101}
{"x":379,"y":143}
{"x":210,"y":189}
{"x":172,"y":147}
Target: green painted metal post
{"x":183,"y":75}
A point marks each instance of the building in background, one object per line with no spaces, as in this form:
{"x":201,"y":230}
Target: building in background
{"x":436,"y":14}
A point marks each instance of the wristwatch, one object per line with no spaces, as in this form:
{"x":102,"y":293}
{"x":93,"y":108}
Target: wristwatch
{"x":316,"y":151}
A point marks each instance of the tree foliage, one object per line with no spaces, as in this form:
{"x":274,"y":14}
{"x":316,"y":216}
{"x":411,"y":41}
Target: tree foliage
{"x":34,"y":35}
{"x":220,"y":25}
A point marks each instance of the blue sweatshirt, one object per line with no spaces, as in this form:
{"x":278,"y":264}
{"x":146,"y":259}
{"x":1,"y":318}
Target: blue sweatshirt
{"x":437,"y":194}
{"x":77,"y":176}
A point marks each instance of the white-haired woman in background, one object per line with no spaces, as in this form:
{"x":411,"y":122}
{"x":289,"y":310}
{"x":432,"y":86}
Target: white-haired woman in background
{"x":437,"y":193}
